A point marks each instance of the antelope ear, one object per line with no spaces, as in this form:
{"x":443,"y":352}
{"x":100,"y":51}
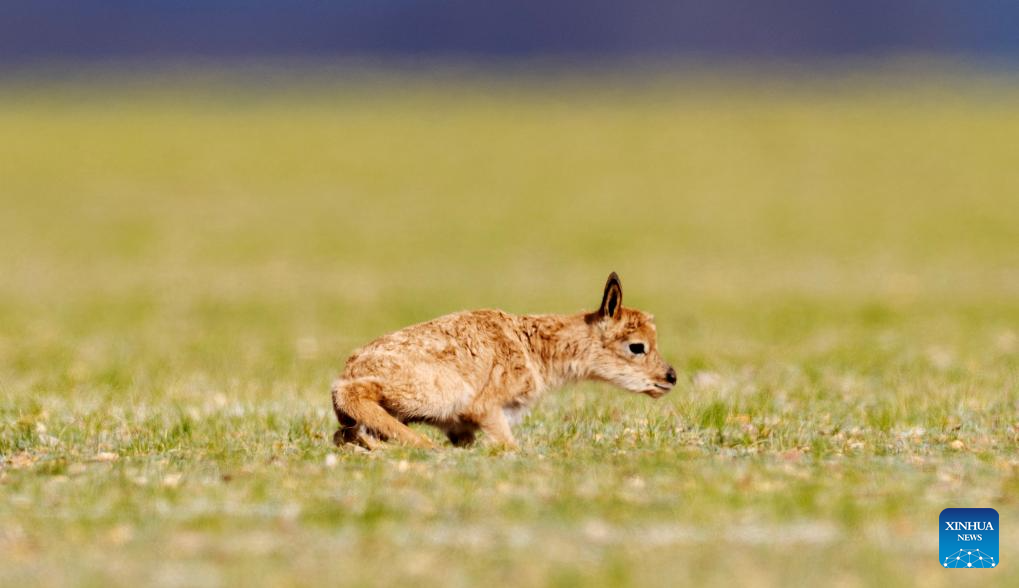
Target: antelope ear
{"x":612,"y":299}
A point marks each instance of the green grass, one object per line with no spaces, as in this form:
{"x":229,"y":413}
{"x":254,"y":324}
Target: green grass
{"x":834,"y":267}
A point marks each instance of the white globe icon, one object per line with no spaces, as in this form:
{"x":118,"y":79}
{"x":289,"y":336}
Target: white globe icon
{"x":972,"y":558}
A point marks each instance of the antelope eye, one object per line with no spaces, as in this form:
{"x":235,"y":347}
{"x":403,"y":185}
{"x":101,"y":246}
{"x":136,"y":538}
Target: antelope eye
{"x":636,"y":348}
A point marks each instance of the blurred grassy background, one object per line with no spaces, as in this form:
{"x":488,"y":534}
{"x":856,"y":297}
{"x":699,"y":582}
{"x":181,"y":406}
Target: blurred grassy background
{"x":184,"y":265}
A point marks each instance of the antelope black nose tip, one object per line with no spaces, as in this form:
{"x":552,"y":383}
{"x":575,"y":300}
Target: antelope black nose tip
{"x":670,"y":376}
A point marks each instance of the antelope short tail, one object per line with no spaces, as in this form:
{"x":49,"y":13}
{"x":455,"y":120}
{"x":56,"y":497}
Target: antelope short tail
{"x":356,"y":403}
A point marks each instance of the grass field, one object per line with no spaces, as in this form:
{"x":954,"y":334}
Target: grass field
{"x":834,"y":266}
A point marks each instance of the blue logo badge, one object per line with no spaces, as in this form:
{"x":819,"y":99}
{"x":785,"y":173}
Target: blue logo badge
{"x":969,"y":538}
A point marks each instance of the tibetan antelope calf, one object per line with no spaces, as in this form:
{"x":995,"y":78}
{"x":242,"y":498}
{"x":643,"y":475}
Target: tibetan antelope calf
{"x":482,"y":369}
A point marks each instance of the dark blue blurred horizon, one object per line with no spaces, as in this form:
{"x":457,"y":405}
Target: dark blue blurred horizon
{"x":798,"y":30}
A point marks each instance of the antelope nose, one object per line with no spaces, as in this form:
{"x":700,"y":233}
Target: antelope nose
{"x":670,"y":376}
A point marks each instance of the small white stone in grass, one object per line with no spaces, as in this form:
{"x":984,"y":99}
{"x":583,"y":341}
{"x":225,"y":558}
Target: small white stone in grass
{"x":636,"y":482}
{"x":331,"y":460}
{"x":597,"y":530}
{"x":106,"y":456}
{"x":172,"y":480}
{"x":403,"y":466}
{"x":290,"y":511}
{"x":706,"y":380}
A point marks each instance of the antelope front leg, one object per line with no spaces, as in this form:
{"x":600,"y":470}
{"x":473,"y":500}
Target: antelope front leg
{"x":495,"y":425}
